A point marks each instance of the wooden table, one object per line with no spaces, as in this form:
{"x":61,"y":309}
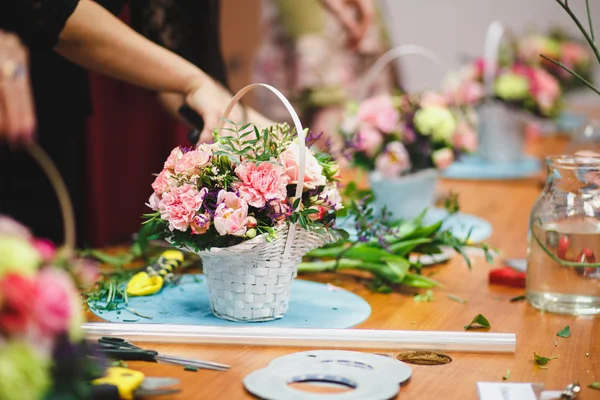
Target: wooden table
{"x":506,"y":204}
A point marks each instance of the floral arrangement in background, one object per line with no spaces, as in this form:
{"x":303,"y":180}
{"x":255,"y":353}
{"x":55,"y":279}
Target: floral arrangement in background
{"x":42,"y":354}
{"x":573,"y":54}
{"x":241,"y":186}
{"x":528,"y":88}
{"x":403,"y":134}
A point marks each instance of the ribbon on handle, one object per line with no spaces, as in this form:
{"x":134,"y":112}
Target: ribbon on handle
{"x":301,"y":142}
{"x":496,"y":33}
{"x":394,"y":54}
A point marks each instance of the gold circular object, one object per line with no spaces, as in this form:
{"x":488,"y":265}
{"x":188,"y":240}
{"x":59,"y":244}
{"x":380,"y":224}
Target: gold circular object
{"x":423,"y":358}
{"x":11,"y":70}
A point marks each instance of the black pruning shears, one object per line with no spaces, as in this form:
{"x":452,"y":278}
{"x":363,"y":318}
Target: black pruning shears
{"x":120,"y":349}
{"x":194,"y":119}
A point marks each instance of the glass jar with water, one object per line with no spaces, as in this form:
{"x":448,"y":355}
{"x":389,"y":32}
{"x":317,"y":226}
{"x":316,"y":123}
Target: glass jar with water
{"x":563,"y":256}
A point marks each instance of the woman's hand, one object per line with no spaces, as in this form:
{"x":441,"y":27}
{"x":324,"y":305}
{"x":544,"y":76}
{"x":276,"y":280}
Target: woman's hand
{"x":210,"y":101}
{"x":17,"y":116}
{"x":355,"y":21}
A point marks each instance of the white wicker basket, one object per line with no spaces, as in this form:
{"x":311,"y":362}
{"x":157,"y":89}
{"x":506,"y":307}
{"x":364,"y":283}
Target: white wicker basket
{"x":251,"y":281}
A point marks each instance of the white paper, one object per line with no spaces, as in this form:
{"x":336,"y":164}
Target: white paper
{"x":505,"y":391}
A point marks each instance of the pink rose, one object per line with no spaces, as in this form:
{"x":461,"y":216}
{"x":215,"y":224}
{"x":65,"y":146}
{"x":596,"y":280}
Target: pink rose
{"x":465,"y":137}
{"x":200,"y":224}
{"x":163,"y":182}
{"x":175,"y":155}
{"x":443,"y":158}
{"x":52,"y":305}
{"x":261,"y":183}
{"x":45,"y":247}
{"x":10,"y":227}
{"x":432,"y":99}
{"x":231,"y":215}
{"x":17,"y":294}
{"x":380,"y":112}
{"x":313,"y":171}
{"x":368,"y":140}
{"x":191,"y":161}
{"x":179,"y":206}
{"x":394,"y":160}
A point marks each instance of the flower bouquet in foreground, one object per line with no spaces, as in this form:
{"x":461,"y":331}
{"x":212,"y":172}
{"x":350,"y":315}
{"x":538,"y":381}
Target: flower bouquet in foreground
{"x":251,"y":208}
{"x":403,"y":141}
{"x":42,"y":354}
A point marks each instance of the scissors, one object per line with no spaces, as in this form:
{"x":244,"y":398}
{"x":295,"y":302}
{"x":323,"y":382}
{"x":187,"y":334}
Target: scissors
{"x":121,"y":349}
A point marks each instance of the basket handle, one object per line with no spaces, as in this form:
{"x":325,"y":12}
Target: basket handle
{"x":66,"y":207}
{"x":393,"y":54}
{"x":301,"y":142}
{"x":494,"y":37}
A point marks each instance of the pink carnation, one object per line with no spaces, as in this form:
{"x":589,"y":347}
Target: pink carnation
{"x":443,"y":158}
{"x":380,"y":112}
{"x":191,"y":161}
{"x":163,"y":182}
{"x":179,"y":206}
{"x":394,"y":160}
{"x":368,"y":140}
{"x":313,"y":171}
{"x":261,"y":183}
{"x":231,"y":215}
{"x":465,"y":137}
{"x":53,"y":305}
{"x":175,"y":155}
{"x":154,"y":202}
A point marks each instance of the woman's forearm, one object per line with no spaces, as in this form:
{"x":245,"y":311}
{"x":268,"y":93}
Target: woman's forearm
{"x":98,"y":41}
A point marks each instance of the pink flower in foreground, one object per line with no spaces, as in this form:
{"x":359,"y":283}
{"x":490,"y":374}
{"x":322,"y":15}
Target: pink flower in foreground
{"x":368,"y":140}
{"x":191,"y":161}
{"x":231,"y":215}
{"x":465,"y":137}
{"x":10,"y":227}
{"x":380,"y":112}
{"x":175,"y":155}
{"x":200,"y":224}
{"x":313,"y":171}
{"x":179,"y":206}
{"x":45,"y":247}
{"x":16,"y":303}
{"x":443,"y":158}
{"x":52,"y":305}
{"x":261,"y":183}
{"x":393,"y":161}
{"x":163,"y":182}
{"x":573,"y":54}
{"x":432,"y":99}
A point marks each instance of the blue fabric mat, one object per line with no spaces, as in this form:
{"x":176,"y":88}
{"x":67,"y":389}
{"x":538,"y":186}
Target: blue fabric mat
{"x":473,"y":167}
{"x":312,"y":305}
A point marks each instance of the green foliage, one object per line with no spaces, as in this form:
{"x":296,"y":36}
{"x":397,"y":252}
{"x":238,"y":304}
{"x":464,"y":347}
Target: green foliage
{"x":479,"y":321}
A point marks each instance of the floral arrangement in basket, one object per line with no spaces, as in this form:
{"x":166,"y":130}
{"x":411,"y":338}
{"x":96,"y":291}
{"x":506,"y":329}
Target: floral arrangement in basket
{"x":42,"y":354}
{"x":241,"y":186}
{"x":526,"y":87}
{"x":557,"y":45}
{"x":251,"y":204}
{"x":406,"y":133}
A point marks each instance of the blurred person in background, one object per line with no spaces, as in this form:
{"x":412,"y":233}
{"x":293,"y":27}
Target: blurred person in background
{"x":317,"y":53}
{"x":85,"y":33}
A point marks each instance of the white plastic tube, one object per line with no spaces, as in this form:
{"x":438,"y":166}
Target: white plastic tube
{"x":374,"y":339}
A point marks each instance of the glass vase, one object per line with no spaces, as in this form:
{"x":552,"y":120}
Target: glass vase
{"x":563,"y":274}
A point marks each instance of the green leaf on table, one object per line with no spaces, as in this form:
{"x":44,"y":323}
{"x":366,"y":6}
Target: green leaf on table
{"x":419,"y":281}
{"x":456,"y":299}
{"x":517,"y":298}
{"x":116,"y":260}
{"x":423,"y":298}
{"x":540,"y":360}
{"x":398,"y":266}
{"x":564,"y":332}
{"x":478,"y":322}
{"x":595,"y":386}
{"x":506,"y":375}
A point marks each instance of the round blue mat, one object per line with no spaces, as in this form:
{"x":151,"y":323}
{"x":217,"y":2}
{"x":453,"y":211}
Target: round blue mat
{"x":473,"y":167}
{"x":459,"y":224}
{"x":312,"y":305}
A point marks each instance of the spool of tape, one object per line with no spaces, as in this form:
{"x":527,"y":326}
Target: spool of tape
{"x":396,"y":370}
{"x":272,"y":383}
